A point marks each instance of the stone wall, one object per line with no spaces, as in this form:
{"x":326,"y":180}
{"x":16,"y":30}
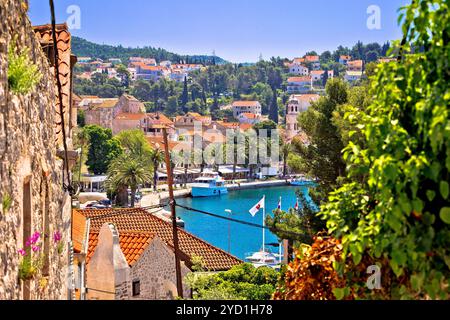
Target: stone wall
{"x":102,"y":117}
{"x":28,"y":146}
{"x":155,"y":270}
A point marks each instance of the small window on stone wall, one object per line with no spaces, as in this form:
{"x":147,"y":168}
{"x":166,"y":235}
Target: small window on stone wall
{"x":136,"y":288}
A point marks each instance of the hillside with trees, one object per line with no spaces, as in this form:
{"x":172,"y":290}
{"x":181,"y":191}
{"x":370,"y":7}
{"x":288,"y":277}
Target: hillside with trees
{"x":85,"y":48}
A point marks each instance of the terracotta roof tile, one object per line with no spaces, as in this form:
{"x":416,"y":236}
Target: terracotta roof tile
{"x":299,"y":79}
{"x":78,"y":230}
{"x":130,"y":116}
{"x":140,"y":221}
{"x":158,"y":118}
{"x":245,"y":103}
{"x":63,"y":38}
{"x":132,"y":244}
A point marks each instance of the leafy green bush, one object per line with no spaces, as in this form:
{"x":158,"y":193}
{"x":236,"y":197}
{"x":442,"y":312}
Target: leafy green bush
{"x":23,"y":74}
{"x":243,"y":282}
{"x":399,"y":213}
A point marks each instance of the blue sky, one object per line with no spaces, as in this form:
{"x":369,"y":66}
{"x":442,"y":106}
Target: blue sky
{"x":238,"y":30}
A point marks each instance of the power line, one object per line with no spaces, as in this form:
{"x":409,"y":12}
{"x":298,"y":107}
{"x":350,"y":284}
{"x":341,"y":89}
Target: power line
{"x":254,"y":225}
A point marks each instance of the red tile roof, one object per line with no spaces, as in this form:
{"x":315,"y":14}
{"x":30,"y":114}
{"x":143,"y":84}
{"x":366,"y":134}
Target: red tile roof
{"x":355,"y":64}
{"x":140,"y":221}
{"x":132,"y":244}
{"x":299,"y":79}
{"x":130,"y":116}
{"x":249,"y":115}
{"x":312,"y":58}
{"x":78,"y":230}
{"x":158,"y":143}
{"x":63,"y":38}
{"x":246,"y":104}
{"x":305,"y":97}
{"x":158,"y":118}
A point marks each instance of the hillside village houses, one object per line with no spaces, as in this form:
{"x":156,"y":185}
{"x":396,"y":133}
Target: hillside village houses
{"x":139,"y":69}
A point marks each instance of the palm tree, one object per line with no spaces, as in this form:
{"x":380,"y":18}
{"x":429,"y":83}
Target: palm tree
{"x":156,"y":157}
{"x":286,"y":149}
{"x":128,"y":172}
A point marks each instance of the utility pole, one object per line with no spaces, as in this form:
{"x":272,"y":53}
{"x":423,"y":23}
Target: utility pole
{"x":174,"y":216}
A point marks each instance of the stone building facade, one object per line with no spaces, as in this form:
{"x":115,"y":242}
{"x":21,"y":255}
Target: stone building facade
{"x":32,"y":197}
{"x":128,"y":254}
{"x":145,"y":272}
{"x":155,"y":272}
{"x":125,"y":113}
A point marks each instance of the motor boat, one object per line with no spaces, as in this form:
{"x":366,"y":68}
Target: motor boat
{"x":209,"y":185}
{"x":264,"y":259}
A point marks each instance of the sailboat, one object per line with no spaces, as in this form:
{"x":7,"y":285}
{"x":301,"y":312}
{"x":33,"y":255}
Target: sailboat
{"x":264,"y":257}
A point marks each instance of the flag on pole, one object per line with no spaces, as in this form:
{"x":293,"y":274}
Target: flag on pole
{"x":279,"y":204}
{"x":260,"y":205}
{"x":296,"y":205}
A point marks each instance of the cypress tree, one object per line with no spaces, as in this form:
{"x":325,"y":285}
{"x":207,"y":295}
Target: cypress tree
{"x":185,"y":96}
{"x":273,"y":111}
{"x":325,"y":78}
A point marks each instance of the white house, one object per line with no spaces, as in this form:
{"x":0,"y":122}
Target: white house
{"x":314,"y":60}
{"x":249,"y":118}
{"x":298,"y":69}
{"x":356,"y":65}
{"x":299,"y":84}
{"x":352,"y":76}
{"x":317,"y":75}
{"x":253,"y":107}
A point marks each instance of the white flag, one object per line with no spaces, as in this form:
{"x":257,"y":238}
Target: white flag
{"x":260,"y":205}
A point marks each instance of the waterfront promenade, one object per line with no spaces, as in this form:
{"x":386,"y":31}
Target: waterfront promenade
{"x":161,"y":197}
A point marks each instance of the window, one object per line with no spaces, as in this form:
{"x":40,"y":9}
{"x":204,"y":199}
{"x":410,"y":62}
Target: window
{"x":136,"y":288}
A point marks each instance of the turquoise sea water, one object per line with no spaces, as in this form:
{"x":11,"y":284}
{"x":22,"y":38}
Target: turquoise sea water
{"x":244,"y":239}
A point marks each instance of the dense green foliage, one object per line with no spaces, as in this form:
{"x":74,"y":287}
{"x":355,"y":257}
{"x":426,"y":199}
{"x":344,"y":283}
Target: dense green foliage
{"x":23,"y":74}
{"x":322,"y":157}
{"x":304,"y":222}
{"x":243,"y":282}
{"x":131,"y":169}
{"x":103,"y":148}
{"x":395,"y":207}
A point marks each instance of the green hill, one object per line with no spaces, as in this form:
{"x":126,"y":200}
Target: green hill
{"x":84,"y":48}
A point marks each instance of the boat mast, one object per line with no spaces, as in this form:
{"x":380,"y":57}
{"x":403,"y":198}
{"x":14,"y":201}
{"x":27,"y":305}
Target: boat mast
{"x":264,"y":227}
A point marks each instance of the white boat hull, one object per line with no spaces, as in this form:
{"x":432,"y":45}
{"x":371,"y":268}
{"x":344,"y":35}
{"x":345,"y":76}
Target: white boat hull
{"x":198,"y":192}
